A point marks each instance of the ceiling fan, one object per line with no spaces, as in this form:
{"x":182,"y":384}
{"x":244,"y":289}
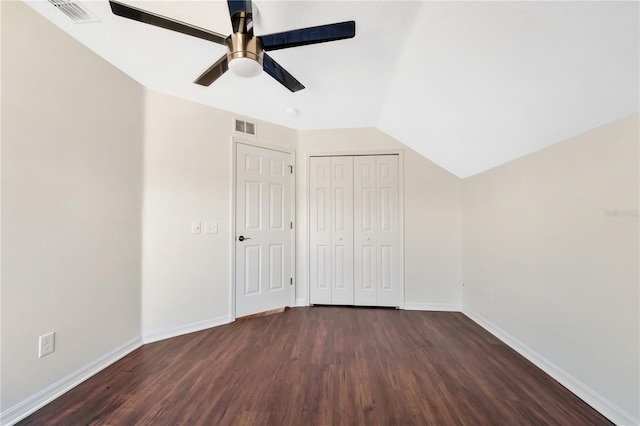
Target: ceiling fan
{"x":246,"y":53}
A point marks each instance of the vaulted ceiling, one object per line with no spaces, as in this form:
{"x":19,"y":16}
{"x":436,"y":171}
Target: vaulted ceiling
{"x":470,"y":85}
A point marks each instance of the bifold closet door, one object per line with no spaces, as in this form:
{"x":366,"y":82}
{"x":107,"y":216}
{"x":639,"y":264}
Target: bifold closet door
{"x":354,"y":230}
{"x":331,"y":230}
{"x":376,"y":230}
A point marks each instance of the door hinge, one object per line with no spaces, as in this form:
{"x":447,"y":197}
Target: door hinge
{"x":291,"y":281}
{"x":290,"y":225}
{"x":291,"y":169}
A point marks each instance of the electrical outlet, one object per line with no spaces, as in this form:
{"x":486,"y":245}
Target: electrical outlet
{"x":196,"y":227}
{"x":211,"y":227}
{"x":47,"y":344}
{"x":490,"y":295}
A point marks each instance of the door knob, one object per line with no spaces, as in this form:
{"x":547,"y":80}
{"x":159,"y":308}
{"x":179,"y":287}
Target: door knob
{"x":242,"y":238}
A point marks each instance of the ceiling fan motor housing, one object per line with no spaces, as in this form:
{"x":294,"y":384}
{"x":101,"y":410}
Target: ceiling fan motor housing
{"x":242,"y":45}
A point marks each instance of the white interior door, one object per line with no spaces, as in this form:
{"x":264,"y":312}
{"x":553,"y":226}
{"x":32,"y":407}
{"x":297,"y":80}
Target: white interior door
{"x":388,"y":230}
{"x":354,"y":223}
{"x":263,"y":232}
{"x":365,"y":231}
{"x":331,"y":230}
{"x":342,"y":230}
{"x":320,"y":263}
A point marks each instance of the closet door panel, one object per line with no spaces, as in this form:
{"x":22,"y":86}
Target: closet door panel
{"x":365,"y":224}
{"x":342,"y":230}
{"x":354,"y":247}
{"x":388,"y":230}
{"x":320,"y":249}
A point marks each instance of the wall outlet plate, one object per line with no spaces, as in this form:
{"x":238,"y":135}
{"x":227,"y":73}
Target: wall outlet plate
{"x":46,"y":344}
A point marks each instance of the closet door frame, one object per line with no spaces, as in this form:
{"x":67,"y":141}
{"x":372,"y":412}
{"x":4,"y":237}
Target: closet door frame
{"x":400,"y":154}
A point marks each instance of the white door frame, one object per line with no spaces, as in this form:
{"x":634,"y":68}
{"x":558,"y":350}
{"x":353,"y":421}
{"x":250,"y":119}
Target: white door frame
{"x":292,"y":153}
{"x":400,"y":154}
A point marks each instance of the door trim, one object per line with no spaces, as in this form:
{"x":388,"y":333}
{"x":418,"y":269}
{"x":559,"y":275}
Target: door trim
{"x":400,"y":154}
{"x":232,"y":269}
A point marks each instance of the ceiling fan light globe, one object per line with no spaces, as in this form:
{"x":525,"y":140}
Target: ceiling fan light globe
{"x":245,"y":67}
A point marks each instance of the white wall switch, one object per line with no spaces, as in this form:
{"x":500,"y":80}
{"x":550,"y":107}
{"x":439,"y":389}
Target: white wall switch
{"x":211,"y":227}
{"x":196,"y":227}
{"x":46,"y":344}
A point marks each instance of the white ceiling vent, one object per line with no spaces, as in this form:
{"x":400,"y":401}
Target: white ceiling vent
{"x":74,"y":10}
{"x":245,"y":127}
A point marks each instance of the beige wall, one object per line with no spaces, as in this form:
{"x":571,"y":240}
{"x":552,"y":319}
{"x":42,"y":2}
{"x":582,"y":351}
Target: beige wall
{"x":564,"y":275}
{"x":71,"y":204}
{"x":432,"y":215}
{"x":188,"y":176}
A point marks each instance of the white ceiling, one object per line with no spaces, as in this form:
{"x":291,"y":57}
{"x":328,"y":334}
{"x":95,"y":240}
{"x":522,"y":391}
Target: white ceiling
{"x":470,"y":85}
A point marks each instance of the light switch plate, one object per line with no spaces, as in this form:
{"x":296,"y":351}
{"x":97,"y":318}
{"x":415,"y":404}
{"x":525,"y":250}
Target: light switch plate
{"x":211,"y":227}
{"x":196,"y":227}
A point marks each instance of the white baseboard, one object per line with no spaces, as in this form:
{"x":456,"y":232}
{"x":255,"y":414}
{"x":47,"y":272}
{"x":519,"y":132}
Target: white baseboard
{"x":167,"y":333}
{"x":301,"y":302}
{"x":582,"y":391}
{"x":38,"y":400}
{"x":443,"y":307}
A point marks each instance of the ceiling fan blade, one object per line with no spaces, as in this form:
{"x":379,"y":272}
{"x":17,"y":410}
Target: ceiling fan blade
{"x":311,"y":35}
{"x":241,"y":14}
{"x":276,"y":71}
{"x":213,"y":72}
{"x":150,"y":18}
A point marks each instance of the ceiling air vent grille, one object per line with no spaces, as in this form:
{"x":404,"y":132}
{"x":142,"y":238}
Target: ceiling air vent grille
{"x":245,"y":127}
{"x":74,"y":10}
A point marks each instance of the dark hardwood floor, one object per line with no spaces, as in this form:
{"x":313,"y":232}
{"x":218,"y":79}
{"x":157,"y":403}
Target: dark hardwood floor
{"x":324,"y":366}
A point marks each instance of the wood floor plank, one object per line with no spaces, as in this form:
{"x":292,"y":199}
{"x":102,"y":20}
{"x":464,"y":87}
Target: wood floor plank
{"x":324,"y":366}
